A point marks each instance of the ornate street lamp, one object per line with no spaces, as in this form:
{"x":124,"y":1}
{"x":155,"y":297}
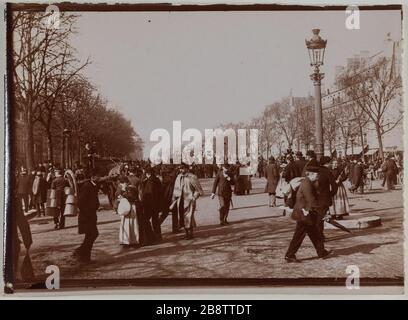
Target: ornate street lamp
{"x":352,"y":146}
{"x":316,"y":47}
{"x":67,"y":163}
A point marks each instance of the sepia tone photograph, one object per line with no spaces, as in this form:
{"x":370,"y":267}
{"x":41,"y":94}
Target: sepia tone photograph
{"x":226,"y":145}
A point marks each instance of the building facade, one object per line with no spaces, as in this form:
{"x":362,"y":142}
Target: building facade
{"x":336,"y":100}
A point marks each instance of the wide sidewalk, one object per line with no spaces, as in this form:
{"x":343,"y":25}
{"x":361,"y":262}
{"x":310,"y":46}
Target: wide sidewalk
{"x":252,"y":246}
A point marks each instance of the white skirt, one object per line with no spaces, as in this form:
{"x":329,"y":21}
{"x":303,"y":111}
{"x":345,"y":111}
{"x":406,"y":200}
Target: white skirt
{"x":281,"y":188}
{"x":129,"y":229}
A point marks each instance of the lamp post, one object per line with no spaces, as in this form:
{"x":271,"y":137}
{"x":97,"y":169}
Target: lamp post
{"x":67,"y":149}
{"x":352,"y":146}
{"x":316,"y":47}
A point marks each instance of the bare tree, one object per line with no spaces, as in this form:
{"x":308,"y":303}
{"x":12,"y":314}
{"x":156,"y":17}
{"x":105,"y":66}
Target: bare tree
{"x":43,"y":65}
{"x":306,"y":124}
{"x":374,"y":90}
{"x":330,"y":127}
{"x":285,"y":120}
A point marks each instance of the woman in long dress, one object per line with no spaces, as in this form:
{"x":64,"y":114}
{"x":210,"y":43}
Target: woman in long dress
{"x":129,"y":226}
{"x":340,"y":206}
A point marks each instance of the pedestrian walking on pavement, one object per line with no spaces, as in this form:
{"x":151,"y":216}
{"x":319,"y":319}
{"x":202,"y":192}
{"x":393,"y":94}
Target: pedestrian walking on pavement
{"x":187,"y":190}
{"x":59,"y":183}
{"x":129,"y":226}
{"x":272,"y":178}
{"x":151,"y":197}
{"x":306,"y":213}
{"x":326,"y":188}
{"x":168,"y":179}
{"x":340,"y":206}
{"x":390,"y":170}
{"x":39,"y":189}
{"x":88,"y":204}
{"x":357,"y":181}
{"x":223,"y":187}
{"x":24,"y":185}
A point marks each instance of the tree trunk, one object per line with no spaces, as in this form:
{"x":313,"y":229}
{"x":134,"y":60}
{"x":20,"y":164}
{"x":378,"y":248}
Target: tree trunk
{"x":362,"y":141}
{"x":79,"y":149}
{"x":361,"y":137}
{"x":345,"y":148}
{"x":380,"y":143}
{"x":30,"y":140}
{"x":330,"y":147}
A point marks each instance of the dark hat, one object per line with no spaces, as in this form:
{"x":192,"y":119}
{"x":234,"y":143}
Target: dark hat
{"x":324,"y":160}
{"x":311,"y":153}
{"x":312,"y":166}
{"x":149,"y":169}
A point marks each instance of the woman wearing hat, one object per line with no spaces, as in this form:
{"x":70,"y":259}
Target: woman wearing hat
{"x":129,"y":226}
{"x":340,"y":206}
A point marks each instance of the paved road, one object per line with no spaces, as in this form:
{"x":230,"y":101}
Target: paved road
{"x":253,"y":246}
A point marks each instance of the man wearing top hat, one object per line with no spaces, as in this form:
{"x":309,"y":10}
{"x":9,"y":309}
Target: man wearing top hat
{"x":306,"y":214}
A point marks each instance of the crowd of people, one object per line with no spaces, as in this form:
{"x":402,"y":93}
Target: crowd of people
{"x":315,"y":190}
{"x":145,"y":195}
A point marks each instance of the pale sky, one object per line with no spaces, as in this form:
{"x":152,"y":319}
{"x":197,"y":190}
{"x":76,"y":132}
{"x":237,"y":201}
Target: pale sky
{"x":207,"y":68}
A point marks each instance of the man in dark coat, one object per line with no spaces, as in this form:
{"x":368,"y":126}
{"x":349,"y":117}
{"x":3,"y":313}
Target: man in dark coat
{"x":272,"y":177}
{"x":300,"y":163}
{"x":290,"y":170}
{"x":168,"y":179}
{"x":310,"y":156}
{"x":307,"y":203}
{"x":151,"y":202}
{"x":223,"y":182}
{"x":59,"y":183}
{"x":358,"y":177}
{"x":24,"y":185}
{"x":88,"y":204}
{"x":390,"y":171}
{"x":326,"y":188}
{"x":39,"y":190}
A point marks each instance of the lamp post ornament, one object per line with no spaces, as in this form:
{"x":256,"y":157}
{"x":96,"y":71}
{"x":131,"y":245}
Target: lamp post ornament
{"x":316,"y":47}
